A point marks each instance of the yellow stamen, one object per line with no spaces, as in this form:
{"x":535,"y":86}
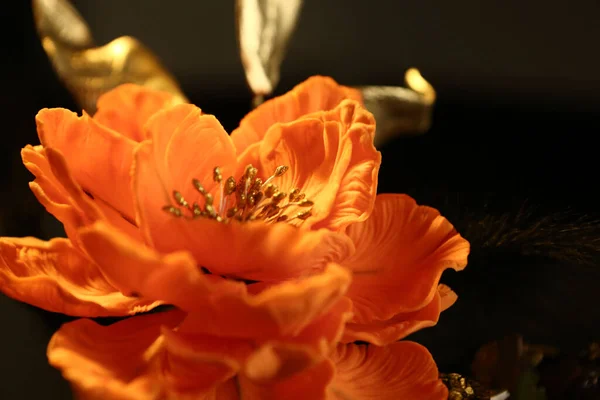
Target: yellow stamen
{"x":249,"y":199}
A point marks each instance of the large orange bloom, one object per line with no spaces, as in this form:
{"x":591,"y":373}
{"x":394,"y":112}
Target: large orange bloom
{"x":271,"y":243}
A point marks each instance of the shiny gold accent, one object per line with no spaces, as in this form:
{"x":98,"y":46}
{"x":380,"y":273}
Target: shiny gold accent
{"x":415,"y":81}
{"x":88,"y":70}
{"x":461,"y":388}
{"x":249,"y":200}
{"x":264,"y":28}
{"x":400,"y":111}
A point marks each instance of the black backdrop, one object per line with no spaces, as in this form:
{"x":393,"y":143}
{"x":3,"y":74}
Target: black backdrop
{"x":515,"y":122}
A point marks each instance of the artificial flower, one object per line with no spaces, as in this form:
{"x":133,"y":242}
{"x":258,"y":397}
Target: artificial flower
{"x":266,"y":240}
{"x":142,"y":358}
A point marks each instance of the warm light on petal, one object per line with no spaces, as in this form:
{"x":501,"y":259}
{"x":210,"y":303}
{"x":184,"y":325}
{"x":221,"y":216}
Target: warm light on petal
{"x":291,"y":309}
{"x":142,"y":358}
{"x":402,"y":370}
{"x":99,"y":158}
{"x":332,"y":160}
{"x":254,"y":251}
{"x":401,"y":252}
{"x":56,"y":277}
{"x":268,"y":287}
{"x":308,"y":384}
{"x":218,"y":306}
{"x":57,"y":191}
{"x":317,"y":93}
{"x":196,"y":363}
{"x":128,"y":107}
{"x":355,"y":198}
{"x":188,"y":144}
{"x":185,"y":145}
{"x":137,"y":269}
{"x":113,"y":362}
{"x":401,"y":325}
{"x":447,"y":297}
{"x":50,"y":192}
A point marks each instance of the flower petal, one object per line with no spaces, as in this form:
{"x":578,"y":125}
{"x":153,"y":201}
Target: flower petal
{"x":308,"y":384}
{"x":317,"y":93}
{"x":332,"y":160}
{"x":296,"y":362}
{"x":56,"y":277}
{"x":188,"y":144}
{"x":99,"y":158}
{"x":382,"y":333}
{"x":50,"y":192}
{"x":402,"y":370}
{"x":136,"y":269}
{"x":283,"y":355}
{"x":447,"y":297}
{"x":401,"y":252}
{"x":128,"y":107}
{"x":142,"y":358}
{"x":112,"y":362}
{"x":56,"y":190}
{"x":197,"y":364}
{"x":254,"y":250}
{"x":184,"y":145}
{"x":311,"y":308}
{"x":220,"y":307}
{"x":357,"y":190}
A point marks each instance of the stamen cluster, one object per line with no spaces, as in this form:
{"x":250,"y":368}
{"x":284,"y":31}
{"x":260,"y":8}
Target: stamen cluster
{"x":248,"y":199}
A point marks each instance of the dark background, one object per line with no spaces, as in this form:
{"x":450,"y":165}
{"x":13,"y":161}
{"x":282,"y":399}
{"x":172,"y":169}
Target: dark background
{"x":514,"y":130}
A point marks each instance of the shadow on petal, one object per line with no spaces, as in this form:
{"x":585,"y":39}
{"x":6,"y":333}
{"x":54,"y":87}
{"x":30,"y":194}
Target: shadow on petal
{"x":128,"y":107}
{"x":401,"y":252}
{"x":57,"y":277}
{"x":401,"y":325}
{"x":402,"y":370}
{"x":99,"y":159}
{"x":317,"y":93}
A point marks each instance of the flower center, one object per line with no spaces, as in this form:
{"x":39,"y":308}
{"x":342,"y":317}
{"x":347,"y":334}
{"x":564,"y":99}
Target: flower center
{"x":248,"y":199}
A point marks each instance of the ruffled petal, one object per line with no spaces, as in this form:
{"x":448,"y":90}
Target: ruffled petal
{"x":138,"y":270}
{"x":317,"y":93}
{"x":184,"y":145}
{"x":99,"y":158}
{"x":310,"y":309}
{"x":128,"y":107}
{"x":217,"y":306}
{"x":284,"y":354}
{"x":401,"y":252}
{"x":112,"y":362}
{"x":402,"y":370}
{"x":332,"y":161}
{"x":56,"y":277}
{"x":188,"y":144}
{"x":50,"y":192}
{"x":308,"y":384}
{"x":254,"y":250}
{"x":401,"y":325}
{"x":296,"y":365}
{"x":201,"y":364}
{"x":142,"y":358}
{"x":57,"y":191}
{"x":355,"y":198}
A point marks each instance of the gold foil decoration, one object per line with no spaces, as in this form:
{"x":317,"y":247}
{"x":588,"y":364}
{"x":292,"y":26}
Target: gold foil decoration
{"x":88,"y":70}
{"x":399,"y":110}
{"x":264,"y":28}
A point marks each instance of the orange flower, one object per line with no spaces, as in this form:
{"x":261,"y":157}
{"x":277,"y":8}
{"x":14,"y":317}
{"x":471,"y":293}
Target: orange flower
{"x":161,"y":206}
{"x":143,"y":358}
{"x":281,"y":342}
